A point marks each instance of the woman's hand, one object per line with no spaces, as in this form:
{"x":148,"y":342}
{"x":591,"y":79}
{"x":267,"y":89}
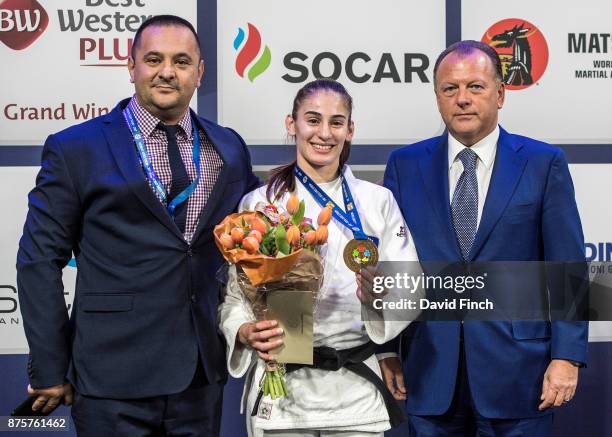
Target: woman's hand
{"x":393,"y":375}
{"x":257,"y":335}
{"x":365,"y":285}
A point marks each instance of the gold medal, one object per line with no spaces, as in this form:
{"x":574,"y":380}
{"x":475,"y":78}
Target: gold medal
{"x":359,"y":254}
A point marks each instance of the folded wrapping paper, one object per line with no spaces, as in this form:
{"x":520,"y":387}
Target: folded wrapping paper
{"x":260,"y":268}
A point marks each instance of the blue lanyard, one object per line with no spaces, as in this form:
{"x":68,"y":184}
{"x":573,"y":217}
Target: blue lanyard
{"x":350,"y":218}
{"x":148,"y":166}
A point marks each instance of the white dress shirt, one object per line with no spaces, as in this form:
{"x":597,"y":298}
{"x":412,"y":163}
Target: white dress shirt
{"x":485,"y":149}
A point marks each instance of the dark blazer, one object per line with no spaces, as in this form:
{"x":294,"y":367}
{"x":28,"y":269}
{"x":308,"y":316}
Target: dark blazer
{"x":145,"y":303}
{"x":530,"y":214}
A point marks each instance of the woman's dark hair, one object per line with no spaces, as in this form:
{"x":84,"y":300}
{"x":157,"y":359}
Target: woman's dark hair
{"x":282,"y":178}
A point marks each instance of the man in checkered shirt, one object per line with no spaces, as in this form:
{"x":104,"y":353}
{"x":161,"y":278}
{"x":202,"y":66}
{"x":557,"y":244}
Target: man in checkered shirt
{"x":134,"y":194}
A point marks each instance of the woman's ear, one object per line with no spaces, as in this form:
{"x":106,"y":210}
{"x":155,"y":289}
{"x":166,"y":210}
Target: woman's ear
{"x":290,"y":125}
{"x":351,"y":131}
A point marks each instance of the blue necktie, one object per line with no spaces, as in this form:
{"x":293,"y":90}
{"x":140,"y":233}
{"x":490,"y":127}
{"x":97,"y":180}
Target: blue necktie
{"x":464,"y":206}
{"x":180,"y":178}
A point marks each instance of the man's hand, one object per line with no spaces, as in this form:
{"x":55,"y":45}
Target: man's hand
{"x":258,"y":334}
{"x":393,"y":376}
{"x":49,"y":398}
{"x":559,"y":384}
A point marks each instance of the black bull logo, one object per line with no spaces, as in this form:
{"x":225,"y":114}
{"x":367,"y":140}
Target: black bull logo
{"x":516,"y":67}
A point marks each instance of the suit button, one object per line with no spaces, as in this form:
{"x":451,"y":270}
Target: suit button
{"x":189,"y":252}
{"x":194,"y":298}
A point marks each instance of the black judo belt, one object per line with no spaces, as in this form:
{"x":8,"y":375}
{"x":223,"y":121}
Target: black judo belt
{"x":327,"y":358}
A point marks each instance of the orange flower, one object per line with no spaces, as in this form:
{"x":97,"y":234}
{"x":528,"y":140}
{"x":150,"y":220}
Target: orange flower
{"x":250,"y":244}
{"x":325,"y":216}
{"x":258,"y":224}
{"x":322,"y":234}
{"x":293,"y":204}
{"x":237,"y":235}
{"x":293,"y":235}
{"x":256,"y":234}
{"x":227,"y":241}
{"x":310,"y":238}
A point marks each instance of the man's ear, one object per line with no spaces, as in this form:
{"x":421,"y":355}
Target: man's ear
{"x":131,"y":65}
{"x":501,"y":95}
{"x":200,"y":70}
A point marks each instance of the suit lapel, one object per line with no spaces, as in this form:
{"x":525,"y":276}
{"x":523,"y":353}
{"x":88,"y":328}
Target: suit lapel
{"x":122,"y":147}
{"x":507,"y":170}
{"x":215,"y":196}
{"x":434,"y":171}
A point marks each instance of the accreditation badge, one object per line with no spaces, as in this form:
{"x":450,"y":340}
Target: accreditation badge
{"x":359,"y":254}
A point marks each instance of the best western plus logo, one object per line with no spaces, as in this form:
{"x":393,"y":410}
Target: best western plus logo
{"x":249,"y":55}
{"x":104,"y":38}
{"x":21,"y":22}
{"x":522,"y":49}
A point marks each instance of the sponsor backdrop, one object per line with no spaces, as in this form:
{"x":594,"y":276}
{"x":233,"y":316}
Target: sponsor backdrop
{"x":67,"y":64}
{"x":263,"y":58}
{"x":557,"y":57}
{"x":67,"y":61}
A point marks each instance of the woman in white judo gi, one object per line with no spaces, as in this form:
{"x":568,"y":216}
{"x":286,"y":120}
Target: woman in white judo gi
{"x":320,"y":402}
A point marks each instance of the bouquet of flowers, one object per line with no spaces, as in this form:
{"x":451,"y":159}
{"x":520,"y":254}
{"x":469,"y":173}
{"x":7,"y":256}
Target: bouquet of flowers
{"x":274,"y":249}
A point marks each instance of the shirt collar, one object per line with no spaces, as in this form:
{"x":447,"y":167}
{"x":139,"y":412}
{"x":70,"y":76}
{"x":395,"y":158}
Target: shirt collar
{"x":147,"y":122}
{"x":484,"y":149}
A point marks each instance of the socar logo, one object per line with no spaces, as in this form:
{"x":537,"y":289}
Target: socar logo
{"x":248,"y":48}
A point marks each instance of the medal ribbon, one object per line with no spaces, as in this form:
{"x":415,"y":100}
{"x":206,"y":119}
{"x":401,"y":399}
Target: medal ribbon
{"x":148,"y":166}
{"x":349,"y":219}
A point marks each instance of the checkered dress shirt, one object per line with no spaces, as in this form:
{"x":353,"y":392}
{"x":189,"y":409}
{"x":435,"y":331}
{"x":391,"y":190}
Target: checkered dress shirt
{"x":157,"y":148}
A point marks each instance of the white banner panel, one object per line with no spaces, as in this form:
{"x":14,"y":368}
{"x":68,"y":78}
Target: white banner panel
{"x":591,"y":182}
{"x":67,"y":60}
{"x":383,"y":52}
{"x":561,"y":55}
{"x":20,"y":180}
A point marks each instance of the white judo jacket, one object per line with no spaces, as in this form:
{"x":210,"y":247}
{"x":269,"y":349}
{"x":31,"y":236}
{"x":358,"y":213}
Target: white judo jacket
{"x":320,"y":399}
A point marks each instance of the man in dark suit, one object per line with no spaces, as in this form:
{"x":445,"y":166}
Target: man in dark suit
{"x":477,"y":194}
{"x":134,"y":194}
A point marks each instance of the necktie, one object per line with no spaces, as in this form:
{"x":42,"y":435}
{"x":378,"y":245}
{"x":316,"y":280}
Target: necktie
{"x":464,"y":206}
{"x":180,"y":178}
